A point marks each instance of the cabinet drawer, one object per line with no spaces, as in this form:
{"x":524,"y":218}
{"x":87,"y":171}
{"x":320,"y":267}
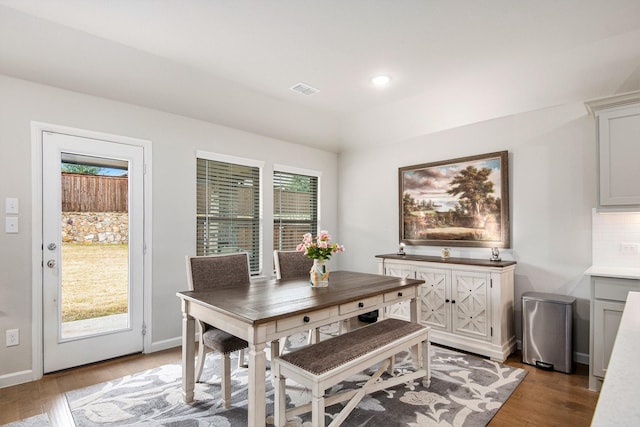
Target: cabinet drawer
{"x":400,"y":295}
{"x":398,"y":270}
{"x":612,"y":288}
{"x":304,"y":319}
{"x":360,"y":305}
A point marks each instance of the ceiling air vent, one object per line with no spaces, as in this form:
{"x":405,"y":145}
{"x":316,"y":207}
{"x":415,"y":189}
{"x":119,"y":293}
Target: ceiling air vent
{"x":304,"y":89}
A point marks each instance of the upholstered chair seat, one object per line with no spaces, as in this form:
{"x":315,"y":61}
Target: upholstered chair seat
{"x":222,"y":341}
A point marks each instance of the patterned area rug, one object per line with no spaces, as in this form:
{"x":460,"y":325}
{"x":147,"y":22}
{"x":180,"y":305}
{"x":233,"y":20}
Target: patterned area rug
{"x":41,"y":420}
{"x":465,"y":390}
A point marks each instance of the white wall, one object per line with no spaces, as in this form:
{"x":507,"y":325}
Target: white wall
{"x":552,"y":191}
{"x":175,"y":140}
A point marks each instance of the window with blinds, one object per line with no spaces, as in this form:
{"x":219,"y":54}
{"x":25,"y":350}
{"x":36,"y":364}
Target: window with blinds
{"x":228,"y":210}
{"x":295,"y":208}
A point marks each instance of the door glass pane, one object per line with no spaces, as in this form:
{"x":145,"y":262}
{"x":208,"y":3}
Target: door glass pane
{"x":94,"y":288}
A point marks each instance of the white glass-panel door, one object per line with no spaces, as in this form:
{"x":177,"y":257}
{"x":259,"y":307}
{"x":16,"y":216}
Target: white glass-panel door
{"x":93,"y":221}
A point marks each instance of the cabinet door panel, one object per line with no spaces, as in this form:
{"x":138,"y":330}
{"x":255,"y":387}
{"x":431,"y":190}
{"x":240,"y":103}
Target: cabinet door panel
{"x":470,"y":292}
{"x":402,"y":310}
{"x":619,"y":151}
{"x":435,"y":300}
{"x":607,"y":316}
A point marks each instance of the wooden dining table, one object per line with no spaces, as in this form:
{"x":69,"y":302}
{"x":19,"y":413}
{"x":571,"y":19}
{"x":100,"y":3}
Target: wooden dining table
{"x":268,"y":309}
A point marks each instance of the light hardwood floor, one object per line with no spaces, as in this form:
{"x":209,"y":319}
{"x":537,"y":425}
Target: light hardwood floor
{"x":547,"y":398}
{"x":542,"y":399}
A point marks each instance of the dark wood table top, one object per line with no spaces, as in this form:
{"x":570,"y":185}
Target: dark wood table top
{"x":464,"y":261}
{"x":266,"y":300}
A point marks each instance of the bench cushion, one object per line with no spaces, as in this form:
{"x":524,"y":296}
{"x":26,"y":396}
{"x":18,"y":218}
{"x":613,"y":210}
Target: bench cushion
{"x":329,"y":354}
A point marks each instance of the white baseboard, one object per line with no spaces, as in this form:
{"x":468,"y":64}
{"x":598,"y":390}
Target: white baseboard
{"x":15,"y":378}
{"x":170,"y":343}
{"x":581,"y":358}
{"x":166,"y":344}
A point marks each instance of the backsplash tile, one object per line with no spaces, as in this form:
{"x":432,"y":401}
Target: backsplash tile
{"x":611,"y":234}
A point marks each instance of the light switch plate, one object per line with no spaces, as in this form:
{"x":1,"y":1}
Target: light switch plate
{"x":11,"y":205}
{"x":11,"y":224}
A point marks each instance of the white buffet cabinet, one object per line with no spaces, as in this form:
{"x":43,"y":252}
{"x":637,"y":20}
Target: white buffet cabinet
{"x":468,"y":303}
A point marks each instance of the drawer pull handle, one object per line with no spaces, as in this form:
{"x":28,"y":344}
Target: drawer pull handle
{"x":453,"y":301}
{"x":399,"y":294}
{"x":360,"y":304}
{"x":447,"y":300}
{"x":306,"y":319}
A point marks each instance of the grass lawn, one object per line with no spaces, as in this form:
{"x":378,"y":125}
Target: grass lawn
{"x":95,"y":281}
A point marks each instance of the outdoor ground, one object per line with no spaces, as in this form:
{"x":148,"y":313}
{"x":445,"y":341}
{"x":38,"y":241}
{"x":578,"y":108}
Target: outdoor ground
{"x":94,"y":280}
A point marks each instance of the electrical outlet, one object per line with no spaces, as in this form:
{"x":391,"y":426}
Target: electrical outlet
{"x":13,"y":337}
{"x":630,"y":248}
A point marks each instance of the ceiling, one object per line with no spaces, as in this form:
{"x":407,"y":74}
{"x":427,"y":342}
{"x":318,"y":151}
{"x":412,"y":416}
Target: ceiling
{"x":232,"y":62}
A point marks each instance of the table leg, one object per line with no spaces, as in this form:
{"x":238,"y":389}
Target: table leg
{"x":414,"y":306}
{"x":257,"y":387}
{"x":188,"y":354}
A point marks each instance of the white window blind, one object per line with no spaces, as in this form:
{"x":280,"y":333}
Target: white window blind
{"x":228,"y":209}
{"x":295,"y":208}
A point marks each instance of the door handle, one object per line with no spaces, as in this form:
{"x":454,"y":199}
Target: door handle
{"x":51,"y":263}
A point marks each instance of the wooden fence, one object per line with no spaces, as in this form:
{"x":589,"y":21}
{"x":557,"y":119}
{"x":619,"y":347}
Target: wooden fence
{"x":94,"y":193}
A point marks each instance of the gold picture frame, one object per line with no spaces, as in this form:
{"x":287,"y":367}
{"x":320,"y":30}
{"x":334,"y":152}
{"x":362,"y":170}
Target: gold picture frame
{"x":458,"y":202}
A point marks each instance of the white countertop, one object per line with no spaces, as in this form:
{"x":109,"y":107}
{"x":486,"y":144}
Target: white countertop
{"x":619,"y":401}
{"x":620,"y":272}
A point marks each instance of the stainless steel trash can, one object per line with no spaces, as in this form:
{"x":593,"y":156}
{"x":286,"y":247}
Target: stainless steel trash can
{"x":547,"y":331}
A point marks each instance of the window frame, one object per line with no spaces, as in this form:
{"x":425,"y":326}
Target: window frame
{"x":242,"y":161}
{"x":298,"y":171}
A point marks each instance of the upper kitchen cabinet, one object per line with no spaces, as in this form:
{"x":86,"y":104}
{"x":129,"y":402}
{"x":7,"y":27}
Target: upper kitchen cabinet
{"x":618,"y":134}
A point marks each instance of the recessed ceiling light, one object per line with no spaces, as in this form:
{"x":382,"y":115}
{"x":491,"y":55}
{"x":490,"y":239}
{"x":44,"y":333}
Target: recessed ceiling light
{"x":381,"y":80}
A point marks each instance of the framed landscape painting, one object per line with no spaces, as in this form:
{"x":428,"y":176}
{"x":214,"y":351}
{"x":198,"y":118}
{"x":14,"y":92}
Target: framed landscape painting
{"x":458,"y":202}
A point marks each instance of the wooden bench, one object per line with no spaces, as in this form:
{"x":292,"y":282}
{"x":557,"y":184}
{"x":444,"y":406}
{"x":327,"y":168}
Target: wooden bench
{"x":327,"y":363}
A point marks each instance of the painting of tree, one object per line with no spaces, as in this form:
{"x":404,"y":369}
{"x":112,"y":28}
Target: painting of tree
{"x":459,"y":202}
